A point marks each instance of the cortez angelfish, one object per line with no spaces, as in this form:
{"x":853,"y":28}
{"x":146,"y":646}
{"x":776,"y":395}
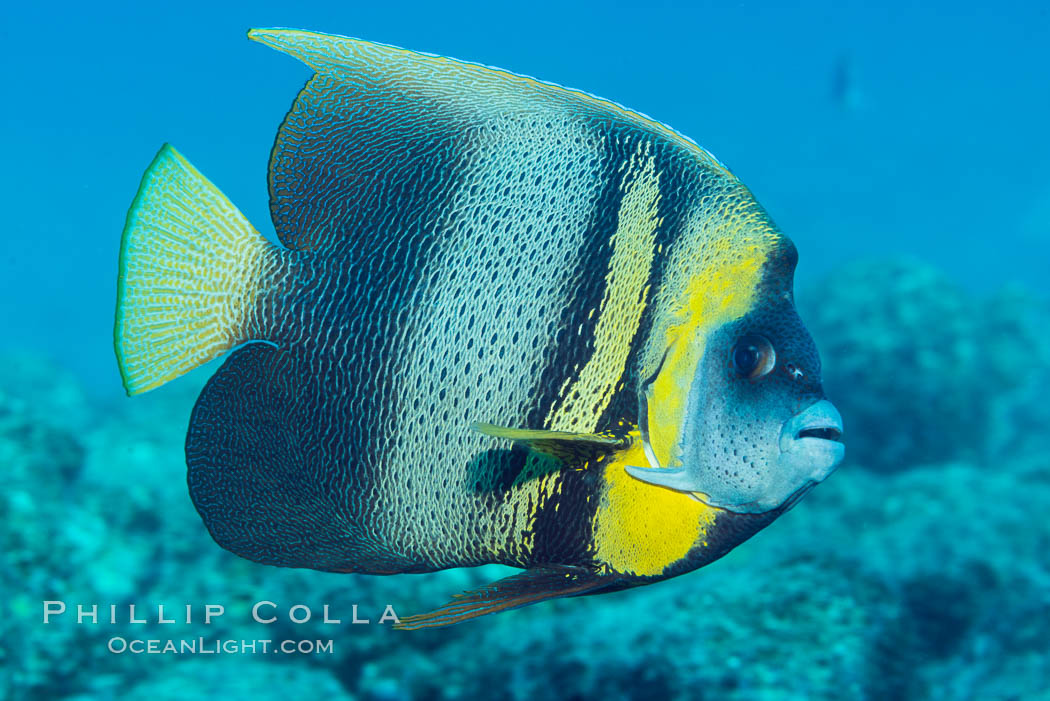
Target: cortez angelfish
{"x":507,"y":323}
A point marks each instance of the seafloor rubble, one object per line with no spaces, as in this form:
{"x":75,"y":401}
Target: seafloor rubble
{"x":923,"y":370}
{"x":919,"y":570}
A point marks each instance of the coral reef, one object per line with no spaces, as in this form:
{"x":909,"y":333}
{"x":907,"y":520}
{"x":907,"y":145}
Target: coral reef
{"x":922,"y":370}
{"x":926,"y":582}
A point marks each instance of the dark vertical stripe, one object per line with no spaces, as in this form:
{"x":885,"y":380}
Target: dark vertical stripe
{"x":562,"y":530}
{"x":572,"y":344}
{"x":673,"y":209}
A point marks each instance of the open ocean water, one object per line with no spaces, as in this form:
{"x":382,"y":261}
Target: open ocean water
{"x":902,"y":147}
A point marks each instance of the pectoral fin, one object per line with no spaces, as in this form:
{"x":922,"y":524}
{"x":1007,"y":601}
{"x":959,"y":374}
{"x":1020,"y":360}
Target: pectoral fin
{"x":567,"y":447}
{"x":529,"y":587}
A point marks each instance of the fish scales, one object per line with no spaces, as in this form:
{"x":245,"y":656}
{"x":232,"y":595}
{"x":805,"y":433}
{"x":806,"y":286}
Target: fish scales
{"x":491,"y":335}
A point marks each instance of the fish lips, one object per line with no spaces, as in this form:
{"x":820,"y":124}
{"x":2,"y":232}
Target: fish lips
{"x":811,"y":447}
{"x":811,"y":441}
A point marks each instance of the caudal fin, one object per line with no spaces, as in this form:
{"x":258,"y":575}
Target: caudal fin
{"x":191,"y":270}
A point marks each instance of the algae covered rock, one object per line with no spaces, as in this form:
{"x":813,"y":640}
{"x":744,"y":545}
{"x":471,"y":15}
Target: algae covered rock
{"x":249,"y":679}
{"x":926,"y":582}
{"x":918,"y":365}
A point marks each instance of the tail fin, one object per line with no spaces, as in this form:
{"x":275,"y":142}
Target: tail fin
{"x":191,"y":269}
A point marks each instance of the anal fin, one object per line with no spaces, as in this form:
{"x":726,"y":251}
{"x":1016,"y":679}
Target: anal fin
{"x":529,"y":587}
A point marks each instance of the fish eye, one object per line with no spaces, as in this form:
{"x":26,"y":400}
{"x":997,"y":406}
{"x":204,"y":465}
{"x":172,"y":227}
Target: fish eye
{"x":753,"y":356}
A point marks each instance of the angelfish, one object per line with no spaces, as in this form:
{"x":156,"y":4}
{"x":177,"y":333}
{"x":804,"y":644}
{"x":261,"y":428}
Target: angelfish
{"x":507,"y":322}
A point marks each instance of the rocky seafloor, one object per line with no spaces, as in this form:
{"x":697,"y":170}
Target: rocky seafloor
{"x":920,"y":570}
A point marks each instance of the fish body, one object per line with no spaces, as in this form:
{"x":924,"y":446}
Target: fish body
{"x":507,"y":323}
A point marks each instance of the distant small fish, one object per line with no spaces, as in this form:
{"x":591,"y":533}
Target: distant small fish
{"x":508,"y":323}
{"x":845,"y":89}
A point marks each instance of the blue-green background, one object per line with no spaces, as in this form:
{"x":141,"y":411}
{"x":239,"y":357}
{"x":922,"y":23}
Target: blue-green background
{"x":945,"y":155}
{"x":902,"y":146}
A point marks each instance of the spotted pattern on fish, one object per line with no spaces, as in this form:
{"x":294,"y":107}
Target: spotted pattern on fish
{"x":461,"y":245}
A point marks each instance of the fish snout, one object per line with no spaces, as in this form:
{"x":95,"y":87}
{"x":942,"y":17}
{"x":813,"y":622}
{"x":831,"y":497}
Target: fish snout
{"x":811,"y":444}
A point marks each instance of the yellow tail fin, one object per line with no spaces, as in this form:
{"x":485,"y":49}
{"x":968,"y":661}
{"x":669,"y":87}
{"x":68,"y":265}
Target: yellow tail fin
{"x":191,"y":268}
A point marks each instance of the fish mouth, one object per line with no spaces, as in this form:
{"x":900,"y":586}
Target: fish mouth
{"x":819,"y":421}
{"x":826,"y":433}
{"x":811,"y":444}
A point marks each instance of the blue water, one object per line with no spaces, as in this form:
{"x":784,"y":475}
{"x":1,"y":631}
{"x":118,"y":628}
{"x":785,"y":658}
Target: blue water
{"x":941,"y":150}
{"x":900,"y":130}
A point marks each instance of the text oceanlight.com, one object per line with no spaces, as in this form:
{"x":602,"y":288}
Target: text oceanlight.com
{"x":201,"y":646}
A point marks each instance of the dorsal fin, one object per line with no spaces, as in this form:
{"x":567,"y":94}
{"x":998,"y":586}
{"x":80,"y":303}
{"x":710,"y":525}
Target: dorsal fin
{"x":378,"y":134}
